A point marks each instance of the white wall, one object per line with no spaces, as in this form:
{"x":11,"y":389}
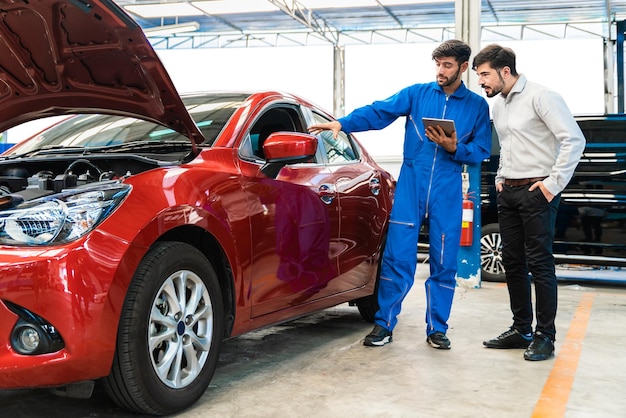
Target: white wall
{"x":572,"y":67}
{"x":307,"y":71}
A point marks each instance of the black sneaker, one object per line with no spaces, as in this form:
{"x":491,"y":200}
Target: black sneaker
{"x":541,"y":348}
{"x":438,"y":340}
{"x":379,"y":336}
{"x":511,"y":338}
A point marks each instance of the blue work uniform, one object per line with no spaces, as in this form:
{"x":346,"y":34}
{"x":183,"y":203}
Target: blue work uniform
{"x":429,"y":187}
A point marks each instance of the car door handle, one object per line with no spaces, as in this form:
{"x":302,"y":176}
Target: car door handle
{"x":375,"y":186}
{"x":327,"y":193}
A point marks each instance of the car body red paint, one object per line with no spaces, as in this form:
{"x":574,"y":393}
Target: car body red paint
{"x":289,"y":229}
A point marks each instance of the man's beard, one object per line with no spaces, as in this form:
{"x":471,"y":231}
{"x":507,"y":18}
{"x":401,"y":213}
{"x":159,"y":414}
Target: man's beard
{"x":494,"y":92}
{"x":451,"y":80}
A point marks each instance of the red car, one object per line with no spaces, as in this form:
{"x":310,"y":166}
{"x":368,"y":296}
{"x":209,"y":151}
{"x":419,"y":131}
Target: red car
{"x":144,"y":229}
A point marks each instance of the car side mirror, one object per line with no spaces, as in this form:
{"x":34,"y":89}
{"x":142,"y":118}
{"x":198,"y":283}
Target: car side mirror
{"x":282,"y":148}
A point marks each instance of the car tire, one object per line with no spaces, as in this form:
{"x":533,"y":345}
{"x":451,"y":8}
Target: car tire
{"x":368,"y":305}
{"x":492,"y":269}
{"x":170,"y":332}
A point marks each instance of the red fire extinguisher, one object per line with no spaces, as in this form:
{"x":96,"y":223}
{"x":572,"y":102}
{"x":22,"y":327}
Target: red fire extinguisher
{"x":467,"y":222}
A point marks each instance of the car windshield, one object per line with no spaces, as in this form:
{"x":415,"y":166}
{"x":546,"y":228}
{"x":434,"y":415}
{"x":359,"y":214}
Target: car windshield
{"x":96,"y":131}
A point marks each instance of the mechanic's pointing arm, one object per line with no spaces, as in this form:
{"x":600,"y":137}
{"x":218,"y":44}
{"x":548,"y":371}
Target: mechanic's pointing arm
{"x":334,"y":126}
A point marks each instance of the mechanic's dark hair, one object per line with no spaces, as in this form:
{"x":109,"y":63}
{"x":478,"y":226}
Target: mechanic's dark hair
{"x":459,"y":50}
{"x":497,"y":57}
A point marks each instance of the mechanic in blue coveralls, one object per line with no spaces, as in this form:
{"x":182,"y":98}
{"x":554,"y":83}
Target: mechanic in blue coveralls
{"x":429,"y":186}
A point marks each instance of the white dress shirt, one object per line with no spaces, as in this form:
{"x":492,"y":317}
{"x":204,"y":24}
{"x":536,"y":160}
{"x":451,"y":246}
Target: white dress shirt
{"x":538,"y":135}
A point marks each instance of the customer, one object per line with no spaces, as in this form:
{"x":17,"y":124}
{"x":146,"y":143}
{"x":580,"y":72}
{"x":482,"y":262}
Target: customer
{"x":428,"y":188}
{"x":540,"y":146}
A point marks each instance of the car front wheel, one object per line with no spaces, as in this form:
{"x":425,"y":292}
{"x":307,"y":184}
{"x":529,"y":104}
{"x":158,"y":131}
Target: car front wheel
{"x":170,"y":332}
{"x":492,"y":269}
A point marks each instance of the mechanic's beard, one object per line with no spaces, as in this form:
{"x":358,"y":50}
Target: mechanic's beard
{"x":452,"y":80}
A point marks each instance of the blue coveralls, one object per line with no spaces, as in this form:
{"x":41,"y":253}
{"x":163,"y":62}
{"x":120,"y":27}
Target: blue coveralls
{"x":429,"y":186}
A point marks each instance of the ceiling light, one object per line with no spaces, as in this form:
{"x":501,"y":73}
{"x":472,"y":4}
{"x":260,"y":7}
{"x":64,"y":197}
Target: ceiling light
{"x":167,"y":30}
{"x":222,"y":7}
{"x":334,"y":4}
{"x":163,"y":9}
{"x":411,"y":2}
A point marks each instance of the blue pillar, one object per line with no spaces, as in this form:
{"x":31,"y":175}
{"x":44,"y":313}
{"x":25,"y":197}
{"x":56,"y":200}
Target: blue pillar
{"x":468,"y":273}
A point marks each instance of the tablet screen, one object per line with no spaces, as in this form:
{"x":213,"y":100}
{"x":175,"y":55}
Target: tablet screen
{"x":446,"y":124}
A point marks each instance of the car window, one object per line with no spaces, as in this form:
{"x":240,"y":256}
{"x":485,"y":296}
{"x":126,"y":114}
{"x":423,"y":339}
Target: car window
{"x":98,"y":130}
{"x":275,"y":119}
{"x":338,"y":150}
{"x":603,"y":131}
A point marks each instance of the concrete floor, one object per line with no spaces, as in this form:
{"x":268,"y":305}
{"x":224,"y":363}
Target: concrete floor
{"x":318,"y":367}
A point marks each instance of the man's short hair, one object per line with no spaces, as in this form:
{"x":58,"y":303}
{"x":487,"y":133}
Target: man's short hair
{"x":497,"y":57}
{"x":459,"y":50}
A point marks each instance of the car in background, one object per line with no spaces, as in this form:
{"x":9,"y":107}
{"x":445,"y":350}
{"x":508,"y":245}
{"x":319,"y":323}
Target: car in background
{"x":145,"y":228}
{"x":591,"y":221}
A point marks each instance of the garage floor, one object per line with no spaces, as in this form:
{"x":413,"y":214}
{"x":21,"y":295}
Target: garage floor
{"x":318,"y":367}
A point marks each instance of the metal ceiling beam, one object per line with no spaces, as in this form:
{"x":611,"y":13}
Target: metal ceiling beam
{"x":390,"y":13}
{"x":307,"y":37}
{"x":308,"y":19}
{"x":318,"y":26}
{"x":493,"y":11}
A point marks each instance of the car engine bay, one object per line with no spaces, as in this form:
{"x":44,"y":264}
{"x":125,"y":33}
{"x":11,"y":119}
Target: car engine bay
{"x":34,"y":178}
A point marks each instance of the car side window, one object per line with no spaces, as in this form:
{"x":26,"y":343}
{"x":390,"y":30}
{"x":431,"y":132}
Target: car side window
{"x":338,"y":150}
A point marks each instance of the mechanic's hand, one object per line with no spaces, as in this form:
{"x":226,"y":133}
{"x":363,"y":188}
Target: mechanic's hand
{"x":438,"y":136}
{"x":334,"y":126}
{"x":546,"y":193}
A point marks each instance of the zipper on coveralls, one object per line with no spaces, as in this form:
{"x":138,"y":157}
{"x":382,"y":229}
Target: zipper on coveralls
{"x":443,"y":247}
{"x":415,"y":126}
{"x":432,"y":168}
{"x":398,"y":301}
{"x":429,"y":304}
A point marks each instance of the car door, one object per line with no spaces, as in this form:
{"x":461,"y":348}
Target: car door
{"x":294,"y":221}
{"x":590,"y":220}
{"x":358,"y":186}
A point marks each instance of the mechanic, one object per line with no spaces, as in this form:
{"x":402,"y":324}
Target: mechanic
{"x":428,"y":187}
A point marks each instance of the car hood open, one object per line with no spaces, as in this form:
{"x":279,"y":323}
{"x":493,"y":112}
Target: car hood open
{"x":68,"y":56}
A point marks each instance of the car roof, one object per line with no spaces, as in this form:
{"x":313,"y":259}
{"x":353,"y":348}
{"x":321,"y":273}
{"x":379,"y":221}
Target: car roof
{"x":60,"y":57}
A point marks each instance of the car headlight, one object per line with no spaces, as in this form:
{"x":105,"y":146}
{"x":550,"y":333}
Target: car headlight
{"x":60,"y":218}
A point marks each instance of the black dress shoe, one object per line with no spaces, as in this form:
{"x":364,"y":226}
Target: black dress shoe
{"x":510,"y":338}
{"x":542,"y":348}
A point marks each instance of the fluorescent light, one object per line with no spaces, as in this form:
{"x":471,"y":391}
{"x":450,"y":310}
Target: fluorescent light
{"x":172,"y":29}
{"x":336,"y":4}
{"x":217,"y":7}
{"x":342,"y":4}
{"x":221,"y":7}
{"x":163,"y":9}
{"x":410,"y":2}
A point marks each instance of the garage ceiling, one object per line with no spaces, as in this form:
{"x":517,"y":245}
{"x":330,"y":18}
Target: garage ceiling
{"x":248,"y":23}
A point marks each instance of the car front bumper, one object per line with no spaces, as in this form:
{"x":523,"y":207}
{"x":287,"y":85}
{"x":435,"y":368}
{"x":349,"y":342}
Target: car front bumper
{"x":79,"y":290}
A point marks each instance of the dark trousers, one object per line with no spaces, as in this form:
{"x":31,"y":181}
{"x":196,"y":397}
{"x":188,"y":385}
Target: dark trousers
{"x":527,"y":228}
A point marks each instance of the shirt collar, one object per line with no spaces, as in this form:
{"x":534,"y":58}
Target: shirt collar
{"x":519,"y":85}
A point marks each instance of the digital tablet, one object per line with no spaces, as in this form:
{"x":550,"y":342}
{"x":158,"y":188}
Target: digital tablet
{"x":446,"y":124}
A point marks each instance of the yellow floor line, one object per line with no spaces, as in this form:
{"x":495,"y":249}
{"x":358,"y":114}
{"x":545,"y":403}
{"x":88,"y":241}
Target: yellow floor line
{"x":553,"y":399}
